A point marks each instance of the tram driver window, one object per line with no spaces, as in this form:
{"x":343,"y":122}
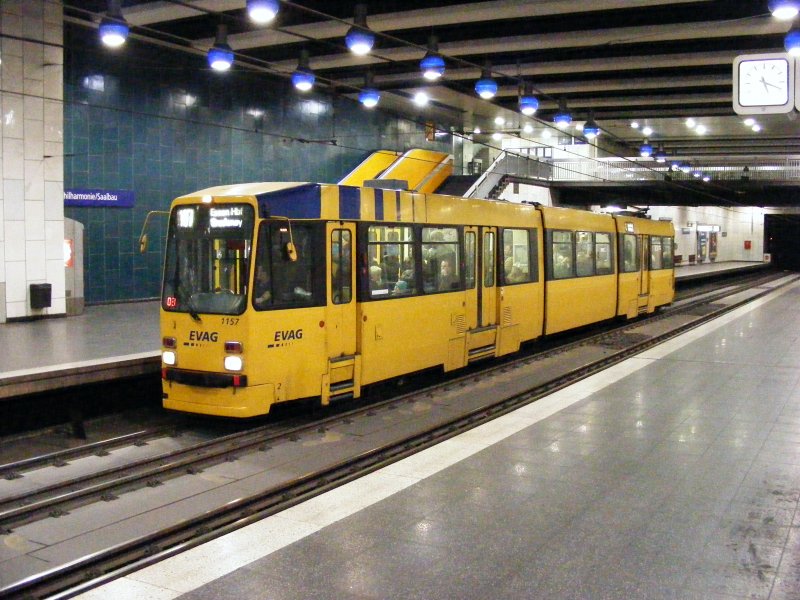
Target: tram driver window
{"x":290,"y":283}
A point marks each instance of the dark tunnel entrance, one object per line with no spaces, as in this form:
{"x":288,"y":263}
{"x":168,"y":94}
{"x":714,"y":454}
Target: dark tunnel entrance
{"x":782,"y":240}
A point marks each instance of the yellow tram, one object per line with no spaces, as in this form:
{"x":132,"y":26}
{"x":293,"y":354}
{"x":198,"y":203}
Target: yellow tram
{"x":279,"y":291}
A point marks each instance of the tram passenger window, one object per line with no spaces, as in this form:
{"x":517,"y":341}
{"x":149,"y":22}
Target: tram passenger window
{"x":469,"y":259}
{"x":584,"y":257}
{"x":440,"y":259}
{"x":667,"y":246}
{"x":630,"y":253}
{"x":516,"y":256}
{"x":655,"y":253}
{"x":290,"y":284}
{"x":488,"y":259}
{"x":562,"y":254}
{"x":341,"y":260}
{"x":602,"y":252}
{"x":391,"y":261}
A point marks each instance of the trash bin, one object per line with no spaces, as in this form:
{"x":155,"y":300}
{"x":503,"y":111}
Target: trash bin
{"x":41,"y":294}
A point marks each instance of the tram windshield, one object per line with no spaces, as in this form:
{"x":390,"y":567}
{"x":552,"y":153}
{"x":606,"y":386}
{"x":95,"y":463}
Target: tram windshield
{"x":208,"y":259}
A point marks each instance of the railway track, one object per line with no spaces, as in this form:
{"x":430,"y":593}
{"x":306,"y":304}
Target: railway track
{"x":355,"y":442}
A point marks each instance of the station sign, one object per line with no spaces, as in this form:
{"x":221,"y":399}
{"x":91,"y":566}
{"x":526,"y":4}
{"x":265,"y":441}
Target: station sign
{"x":97,"y":197}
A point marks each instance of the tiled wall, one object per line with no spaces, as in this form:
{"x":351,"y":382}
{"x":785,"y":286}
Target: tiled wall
{"x":162,"y":124}
{"x":31,"y":150}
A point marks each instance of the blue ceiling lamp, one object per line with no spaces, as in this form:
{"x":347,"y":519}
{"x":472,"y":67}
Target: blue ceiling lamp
{"x":262,"y":11}
{"x":645,"y":150}
{"x":220,"y":56}
{"x":113,"y":28}
{"x":528,"y":103}
{"x":792,"y":40}
{"x":591,"y":129}
{"x":660,"y":155}
{"x":486,"y":87}
{"x":784,"y":9}
{"x":562,"y":118}
{"x":432,"y":65}
{"x":369,"y":96}
{"x":359,"y":38}
{"x":685,"y":168}
{"x":303,"y":77}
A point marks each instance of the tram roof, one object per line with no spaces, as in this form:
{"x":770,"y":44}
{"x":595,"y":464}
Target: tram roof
{"x":246,"y":189}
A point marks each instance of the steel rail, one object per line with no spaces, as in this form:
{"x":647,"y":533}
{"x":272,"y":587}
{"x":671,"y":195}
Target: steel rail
{"x":57,"y":498}
{"x":102,"y":566}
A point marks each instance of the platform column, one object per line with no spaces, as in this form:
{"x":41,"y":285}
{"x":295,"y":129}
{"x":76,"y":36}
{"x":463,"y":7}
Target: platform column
{"x":31,"y":156}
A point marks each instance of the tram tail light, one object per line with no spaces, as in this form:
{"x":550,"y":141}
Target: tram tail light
{"x":233,"y":347}
{"x":169,"y":342}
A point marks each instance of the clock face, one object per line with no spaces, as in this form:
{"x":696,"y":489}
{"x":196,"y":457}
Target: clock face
{"x":763,"y":82}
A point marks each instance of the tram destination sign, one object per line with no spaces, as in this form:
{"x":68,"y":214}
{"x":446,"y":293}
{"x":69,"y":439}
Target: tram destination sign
{"x":95,"y":197}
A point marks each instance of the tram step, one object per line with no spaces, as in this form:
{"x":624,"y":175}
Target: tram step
{"x":482,"y":352}
{"x":342,"y":386}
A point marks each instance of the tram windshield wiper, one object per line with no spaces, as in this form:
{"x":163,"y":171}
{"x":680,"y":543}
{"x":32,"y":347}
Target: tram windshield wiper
{"x":186,"y":299}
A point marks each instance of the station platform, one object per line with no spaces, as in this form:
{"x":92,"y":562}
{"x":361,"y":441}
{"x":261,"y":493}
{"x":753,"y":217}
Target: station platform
{"x":709,"y":270}
{"x":675,"y":474}
{"x":122,"y":340}
{"x":104,"y":343}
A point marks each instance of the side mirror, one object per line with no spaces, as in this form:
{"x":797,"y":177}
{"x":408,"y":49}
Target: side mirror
{"x":291,"y":251}
{"x":143,"y":235}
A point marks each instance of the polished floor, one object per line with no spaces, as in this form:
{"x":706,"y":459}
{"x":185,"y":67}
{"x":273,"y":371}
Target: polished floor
{"x":675,"y":474}
{"x":100,"y":334}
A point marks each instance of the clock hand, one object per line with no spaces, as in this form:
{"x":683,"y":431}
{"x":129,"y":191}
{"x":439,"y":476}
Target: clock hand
{"x":771,"y":85}
{"x":762,"y":80}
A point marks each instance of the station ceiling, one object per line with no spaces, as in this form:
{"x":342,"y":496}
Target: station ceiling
{"x":657,"y":62}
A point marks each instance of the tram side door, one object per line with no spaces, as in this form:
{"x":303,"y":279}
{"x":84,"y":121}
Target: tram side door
{"x":340,"y":316}
{"x":481,"y":296}
{"x":644,"y":265}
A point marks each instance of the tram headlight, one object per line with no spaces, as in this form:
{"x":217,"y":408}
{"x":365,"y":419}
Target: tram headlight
{"x":169,"y":358}
{"x":233,"y":363}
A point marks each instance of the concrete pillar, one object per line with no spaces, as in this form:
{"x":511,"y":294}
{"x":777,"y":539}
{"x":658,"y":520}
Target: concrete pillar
{"x":31,"y":156}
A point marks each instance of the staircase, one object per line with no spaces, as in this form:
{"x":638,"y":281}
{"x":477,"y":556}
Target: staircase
{"x":506,"y":168}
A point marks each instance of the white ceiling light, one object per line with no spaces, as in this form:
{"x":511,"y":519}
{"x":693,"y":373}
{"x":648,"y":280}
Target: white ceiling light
{"x":784,"y":9}
{"x":700,"y":129}
{"x":756,"y":127}
{"x":476,"y":130}
{"x":647,"y":130}
{"x":421,"y":99}
{"x":528,"y":128}
{"x":691,"y":123}
{"x":635,"y":124}
{"x":496,"y":136}
{"x":262,"y":11}
{"x":547,"y":134}
{"x":749,"y":121}
{"x":499,"y":121}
